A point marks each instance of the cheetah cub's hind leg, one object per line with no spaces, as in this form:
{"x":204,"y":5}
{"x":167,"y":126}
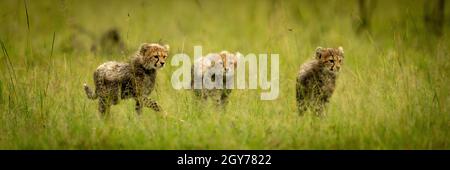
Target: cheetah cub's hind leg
{"x":104,"y":106}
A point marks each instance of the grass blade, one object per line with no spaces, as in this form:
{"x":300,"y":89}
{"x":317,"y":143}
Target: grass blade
{"x":12,"y":72}
{"x":26,"y":12}
{"x":53,"y":44}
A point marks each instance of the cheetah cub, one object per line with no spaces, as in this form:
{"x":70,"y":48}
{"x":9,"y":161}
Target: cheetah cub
{"x":216,"y":67}
{"x":316,"y":80}
{"x":132,"y":79}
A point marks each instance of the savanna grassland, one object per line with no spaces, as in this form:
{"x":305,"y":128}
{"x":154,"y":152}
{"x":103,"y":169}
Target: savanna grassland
{"x":392,"y":93}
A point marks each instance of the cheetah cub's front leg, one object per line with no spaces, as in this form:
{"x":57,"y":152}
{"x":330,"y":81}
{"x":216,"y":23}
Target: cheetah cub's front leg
{"x":150,"y":103}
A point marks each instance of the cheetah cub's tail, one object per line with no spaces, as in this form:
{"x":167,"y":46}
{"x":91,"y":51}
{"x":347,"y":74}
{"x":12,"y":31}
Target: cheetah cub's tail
{"x":90,"y":94}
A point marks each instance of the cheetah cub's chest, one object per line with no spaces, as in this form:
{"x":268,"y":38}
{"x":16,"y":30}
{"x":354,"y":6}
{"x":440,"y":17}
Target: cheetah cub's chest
{"x":149,"y":81}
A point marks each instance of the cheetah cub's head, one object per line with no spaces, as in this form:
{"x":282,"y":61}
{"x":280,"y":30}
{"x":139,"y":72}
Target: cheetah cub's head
{"x":153,"y":56}
{"x":331,"y":59}
{"x":223,"y":63}
{"x":228,"y":61}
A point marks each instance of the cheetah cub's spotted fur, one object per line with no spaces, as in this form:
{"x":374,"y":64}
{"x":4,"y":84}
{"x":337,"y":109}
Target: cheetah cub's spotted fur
{"x":132,"y":79}
{"x":316,"y":80}
{"x":226,"y":62}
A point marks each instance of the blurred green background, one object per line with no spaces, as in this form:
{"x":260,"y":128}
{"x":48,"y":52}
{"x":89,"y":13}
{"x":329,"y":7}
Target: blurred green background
{"x":392,"y":93}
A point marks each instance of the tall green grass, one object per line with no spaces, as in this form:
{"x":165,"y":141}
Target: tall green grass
{"x":392,"y":93}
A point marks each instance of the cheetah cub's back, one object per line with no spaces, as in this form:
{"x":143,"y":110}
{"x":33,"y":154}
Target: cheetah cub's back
{"x":316,"y":79}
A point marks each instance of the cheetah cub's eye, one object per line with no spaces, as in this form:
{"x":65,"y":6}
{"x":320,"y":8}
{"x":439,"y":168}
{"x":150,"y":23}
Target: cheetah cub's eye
{"x":331,"y":61}
{"x":155,"y":56}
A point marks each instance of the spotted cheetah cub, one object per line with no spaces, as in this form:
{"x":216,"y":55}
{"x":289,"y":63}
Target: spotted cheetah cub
{"x":218,"y":68}
{"x":132,"y":79}
{"x":316,"y":80}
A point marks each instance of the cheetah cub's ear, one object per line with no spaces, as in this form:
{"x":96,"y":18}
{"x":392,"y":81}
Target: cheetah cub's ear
{"x":341,"y":50}
{"x":167,"y":47}
{"x":143,"y":48}
{"x":318,"y":54}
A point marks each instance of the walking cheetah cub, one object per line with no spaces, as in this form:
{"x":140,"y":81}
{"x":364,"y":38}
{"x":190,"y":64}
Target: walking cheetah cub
{"x":214,"y":67}
{"x":133,"y":79}
{"x":316,"y":80}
